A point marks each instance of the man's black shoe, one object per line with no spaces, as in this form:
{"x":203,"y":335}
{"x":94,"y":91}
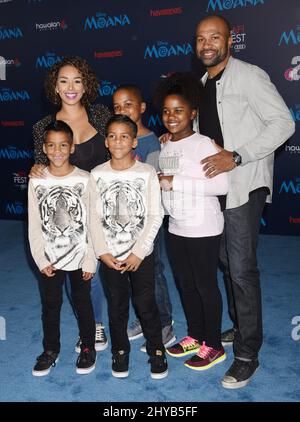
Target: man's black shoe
{"x":240,"y":373}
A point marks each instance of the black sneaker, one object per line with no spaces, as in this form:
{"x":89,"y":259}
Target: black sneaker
{"x":44,"y":363}
{"x":120,"y":362}
{"x":159,"y":365}
{"x":101,"y":342}
{"x":227,"y":337}
{"x":240,"y":373}
{"x":86,"y":361}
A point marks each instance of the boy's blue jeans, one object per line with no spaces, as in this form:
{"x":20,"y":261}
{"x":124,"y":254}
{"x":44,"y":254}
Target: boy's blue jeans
{"x":161,"y":286}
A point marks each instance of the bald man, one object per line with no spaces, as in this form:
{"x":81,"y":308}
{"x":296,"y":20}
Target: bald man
{"x":246,"y":116}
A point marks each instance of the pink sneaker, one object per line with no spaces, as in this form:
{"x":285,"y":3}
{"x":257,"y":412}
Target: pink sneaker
{"x":205,"y":358}
{"x":185,"y":347}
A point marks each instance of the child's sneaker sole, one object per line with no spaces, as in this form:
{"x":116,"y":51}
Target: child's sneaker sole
{"x":120,"y":374}
{"x":84,"y":371}
{"x":101,"y":347}
{"x":159,"y":376}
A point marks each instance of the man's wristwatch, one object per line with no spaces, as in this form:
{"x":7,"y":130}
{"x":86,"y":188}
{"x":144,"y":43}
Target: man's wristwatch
{"x":236,"y":158}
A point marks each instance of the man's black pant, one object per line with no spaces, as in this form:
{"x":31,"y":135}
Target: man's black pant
{"x":238,"y":256}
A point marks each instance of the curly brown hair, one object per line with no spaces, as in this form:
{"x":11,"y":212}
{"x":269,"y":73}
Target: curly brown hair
{"x":89,"y":79}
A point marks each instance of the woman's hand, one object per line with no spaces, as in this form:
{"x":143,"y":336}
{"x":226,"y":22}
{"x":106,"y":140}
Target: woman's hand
{"x":37,"y":170}
{"x":165,"y":137}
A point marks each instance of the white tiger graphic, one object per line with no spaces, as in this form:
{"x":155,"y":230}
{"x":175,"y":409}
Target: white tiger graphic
{"x":123,"y":214}
{"x":63,"y":217}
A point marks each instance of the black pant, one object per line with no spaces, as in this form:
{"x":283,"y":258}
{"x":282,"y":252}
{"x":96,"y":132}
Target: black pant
{"x":194,"y":262}
{"x":117,"y":288}
{"x":238,"y":256}
{"x":51,"y":289}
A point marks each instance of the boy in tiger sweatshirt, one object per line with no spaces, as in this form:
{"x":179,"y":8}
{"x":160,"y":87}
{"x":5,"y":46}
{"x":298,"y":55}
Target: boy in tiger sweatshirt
{"x":125,"y":215}
{"x":59,"y":243}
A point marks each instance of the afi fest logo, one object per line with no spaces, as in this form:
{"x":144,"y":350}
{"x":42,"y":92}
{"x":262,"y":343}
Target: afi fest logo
{"x":238,"y":36}
{"x":2,"y":69}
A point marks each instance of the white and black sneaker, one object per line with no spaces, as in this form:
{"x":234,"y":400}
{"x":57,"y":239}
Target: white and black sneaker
{"x":101,"y":342}
{"x":44,"y":363}
{"x":120,"y":363}
{"x":159,"y":365}
{"x":86,"y":361}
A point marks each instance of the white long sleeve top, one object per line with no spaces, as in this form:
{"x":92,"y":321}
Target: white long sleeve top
{"x":192,"y":204}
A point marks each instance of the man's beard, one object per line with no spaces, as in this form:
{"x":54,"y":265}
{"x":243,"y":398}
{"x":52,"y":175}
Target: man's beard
{"x":214,"y":61}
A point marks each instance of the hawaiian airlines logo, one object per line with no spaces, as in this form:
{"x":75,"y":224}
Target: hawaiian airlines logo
{"x":108,"y":54}
{"x":104,"y":21}
{"x":47,"y":60}
{"x":107,"y":88}
{"x":154,"y":120}
{"x":20,"y":180}
{"x":167,"y":12}
{"x":13,"y":62}
{"x":163,"y":49}
{"x":220,"y":5}
{"x":238,"y":36}
{"x":7,"y":95}
{"x":52,"y":25}
{"x":13,"y":153}
{"x":10,"y":33}
{"x":12,"y":123}
{"x":295,"y":113}
{"x":293,"y":73}
{"x":291,"y":36}
{"x":290,"y":186}
{"x":15,"y":208}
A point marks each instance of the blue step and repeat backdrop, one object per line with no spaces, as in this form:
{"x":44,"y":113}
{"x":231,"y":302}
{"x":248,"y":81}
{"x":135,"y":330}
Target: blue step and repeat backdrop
{"x":138,"y":42}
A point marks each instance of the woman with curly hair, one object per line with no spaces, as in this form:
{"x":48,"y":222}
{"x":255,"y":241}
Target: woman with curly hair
{"x":72,"y":86}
